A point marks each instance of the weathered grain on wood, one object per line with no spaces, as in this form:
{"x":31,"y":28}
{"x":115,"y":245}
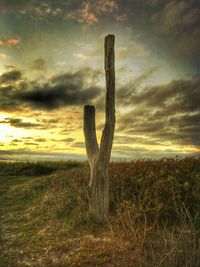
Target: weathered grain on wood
{"x":98,"y":189}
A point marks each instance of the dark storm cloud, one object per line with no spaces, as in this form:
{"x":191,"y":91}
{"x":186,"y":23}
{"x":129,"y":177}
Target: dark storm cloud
{"x":10,"y":76}
{"x":63,"y":90}
{"x":180,"y":19}
{"x":169,"y":112}
{"x":173,"y":26}
{"x":177,"y":96}
{"x":177,"y":15}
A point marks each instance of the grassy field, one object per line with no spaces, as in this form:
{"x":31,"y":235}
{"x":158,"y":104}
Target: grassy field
{"x":154,"y":215}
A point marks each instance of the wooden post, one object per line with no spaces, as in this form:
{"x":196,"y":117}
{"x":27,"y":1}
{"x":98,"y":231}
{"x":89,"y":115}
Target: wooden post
{"x":98,"y":189}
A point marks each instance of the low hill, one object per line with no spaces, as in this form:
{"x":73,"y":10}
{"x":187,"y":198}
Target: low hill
{"x":154,"y":215}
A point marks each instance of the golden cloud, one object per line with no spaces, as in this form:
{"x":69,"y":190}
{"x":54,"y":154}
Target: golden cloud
{"x":3,"y":56}
{"x":9,"y":42}
{"x":84,"y":14}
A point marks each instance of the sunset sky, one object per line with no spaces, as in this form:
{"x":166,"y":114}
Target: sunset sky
{"x":52,"y":64}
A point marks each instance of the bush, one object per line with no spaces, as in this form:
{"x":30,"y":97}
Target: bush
{"x":161,"y":188}
{"x":36,"y":168}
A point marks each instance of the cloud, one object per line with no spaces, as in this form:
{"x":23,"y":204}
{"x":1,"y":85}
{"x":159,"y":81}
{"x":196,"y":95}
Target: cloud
{"x":68,"y":140}
{"x":127,"y":93}
{"x":80,"y":56}
{"x":12,"y":41}
{"x":30,"y":144}
{"x":78,"y":145}
{"x":16,"y":141}
{"x":92,"y":12}
{"x":13,"y":5}
{"x":64,"y":90}
{"x":69,"y":89}
{"x":45,"y":11}
{"x":32,"y":8}
{"x":3,"y":56}
{"x":121,"y":17}
{"x":178,"y":23}
{"x":128,"y":152}
{"x":39,"y":64}
{"x":178,"y":14}
{"x":23,"y":154}
{"x":105,"y":6}
{"x":168,"y":113}
{"x":84,"y":14}
{"x":9,"y":42}
{"x":41,"y":140}
{"x":27,"y":124}
{"x":132,"y":140}
{"x":177,"y":96}
{"x":134,"y":50}
{"x":82,"y":11}
{"x":61,"y":64}
{"x":12,"y":75}
{"x":19,"y":123}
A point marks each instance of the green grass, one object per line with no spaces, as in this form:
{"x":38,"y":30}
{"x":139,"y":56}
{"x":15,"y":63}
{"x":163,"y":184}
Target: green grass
{"x":154,"y":215}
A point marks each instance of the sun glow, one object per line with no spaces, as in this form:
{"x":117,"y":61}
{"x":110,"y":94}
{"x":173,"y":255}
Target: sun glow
{"x":7,"y":133}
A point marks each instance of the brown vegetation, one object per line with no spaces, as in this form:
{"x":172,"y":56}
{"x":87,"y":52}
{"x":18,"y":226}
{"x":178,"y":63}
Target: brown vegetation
{"x":154,"y":216}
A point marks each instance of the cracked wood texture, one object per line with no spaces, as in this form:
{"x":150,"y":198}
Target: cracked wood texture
{"x":98,"y":189}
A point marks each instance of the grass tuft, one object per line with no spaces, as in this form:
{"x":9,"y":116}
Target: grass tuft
{"x":154,"y":215}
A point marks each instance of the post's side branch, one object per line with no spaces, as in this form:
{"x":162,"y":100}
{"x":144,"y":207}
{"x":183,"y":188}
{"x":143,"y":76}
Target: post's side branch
{"x":90,"y":131}
{"x":108,"y":132}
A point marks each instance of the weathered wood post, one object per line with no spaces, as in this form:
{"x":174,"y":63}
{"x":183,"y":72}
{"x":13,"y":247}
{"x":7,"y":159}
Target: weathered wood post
{"x":98,"y":189}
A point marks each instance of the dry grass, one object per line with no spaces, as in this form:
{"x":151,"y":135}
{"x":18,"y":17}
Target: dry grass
{"x":154,"y":219}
